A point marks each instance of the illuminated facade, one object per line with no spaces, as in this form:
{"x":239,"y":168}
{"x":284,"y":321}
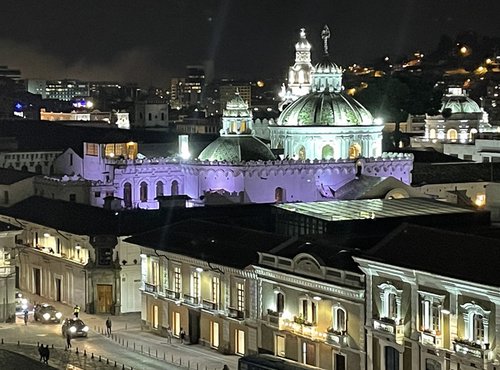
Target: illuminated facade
{"x":300,"y":74}
{"x":419,"y":318}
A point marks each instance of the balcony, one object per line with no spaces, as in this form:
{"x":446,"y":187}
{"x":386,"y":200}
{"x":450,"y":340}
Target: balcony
{"x":387,"y":325}
{"x":337,"y":338}
{"x":301,"y":327}
{"x":431,"y":338}
{"x":273,"y":318}
{"x":234,"y":313}
{"x":171,"y":294}
{"x":468,"y":348}
{"x":150,"y":288}
{"x":190,"y":300}
{"x":209,"y":305}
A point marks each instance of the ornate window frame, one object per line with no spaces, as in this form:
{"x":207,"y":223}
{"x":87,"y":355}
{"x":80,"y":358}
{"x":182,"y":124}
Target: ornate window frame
{"x":338,"y":326}
{"x":426,"y":311}
{"x":471,"y":309}
{"x":386,"y":289}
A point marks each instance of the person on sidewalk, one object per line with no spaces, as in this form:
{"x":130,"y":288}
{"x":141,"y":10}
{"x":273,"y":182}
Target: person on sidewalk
{"x":25,"y":317}
{"x":108,"y":327}
{"x":46,"y":354}
{"x":68,"y":340}
{"x":182,"y":335}
{"x":41,"y":351}
{"x":76,"y":311}
{"x":169,"y":334}
{"x":225,"y":367}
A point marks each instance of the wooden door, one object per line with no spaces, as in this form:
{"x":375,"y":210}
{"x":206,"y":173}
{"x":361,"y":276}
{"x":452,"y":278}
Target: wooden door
{"x":104,"y":298}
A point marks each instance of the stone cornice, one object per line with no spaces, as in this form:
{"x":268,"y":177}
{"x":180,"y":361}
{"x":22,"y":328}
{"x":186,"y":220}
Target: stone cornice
{"x":302,"y":282}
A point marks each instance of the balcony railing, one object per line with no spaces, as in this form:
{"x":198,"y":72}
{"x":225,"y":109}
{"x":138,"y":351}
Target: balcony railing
{"x":273,"y":318}
{"x":150,"y":288}
{"x":431,"y":338}
{"x":305,"y":329}
{"x":234,"y":313}
{"x":337,"y":338}
{"x":171,"y":294}
{"x":468,"y":348}
{"x":190,"y":300}
{"x":209,"y":305}
{"x":390,"y":326}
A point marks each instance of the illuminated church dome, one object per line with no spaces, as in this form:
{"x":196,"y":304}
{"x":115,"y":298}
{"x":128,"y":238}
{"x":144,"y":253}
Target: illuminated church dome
{"x":326,"y":123}
{"x":236,"y":142}
{"x":458,"y":102}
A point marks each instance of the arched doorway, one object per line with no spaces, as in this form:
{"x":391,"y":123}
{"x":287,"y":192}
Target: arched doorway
{"x":278,"y":195}
{"x":354,"y":151}
{"x":451,"y":134}
{"x":174,"y":188}
{"x":302,"y":153}
{"x":327,"y":152}
{"x":472,"y":132}
{"x":127,"y":195}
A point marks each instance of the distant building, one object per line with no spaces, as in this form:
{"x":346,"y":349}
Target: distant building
{"x":65,"y":90}
{"x":151,"y":112}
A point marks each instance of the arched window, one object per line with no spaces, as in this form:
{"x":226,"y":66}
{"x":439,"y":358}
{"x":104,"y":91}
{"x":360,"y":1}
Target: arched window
{"x":159,"y":189}
{"x":432,"y":133}
{"x":174,"y":188}
{"x":24,"y":168}
{"x":431,"y":364}
{"x":354,"y":151}
{"x":452,"y":134}
{"x":476,"y":322}
{"x":127,"y":194}
{"x":144,"y":192}
{"x":278,"y":195}
{"x":302,"y":153}
{"x":38,"y":168}
{"x":327,"y":152}
{"x":339,"y":320}
{"x":472,"y":133}
{"x":280,"y":302}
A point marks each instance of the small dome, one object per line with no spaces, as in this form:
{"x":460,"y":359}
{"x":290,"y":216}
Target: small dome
{"x":327,"y":66}
{"x":325,"y":108}
{"x":460,"y":104}
{"x":236,"y":148}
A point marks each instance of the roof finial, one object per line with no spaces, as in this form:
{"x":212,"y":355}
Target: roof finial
{"x":302,"y":33}
{"x":325,"y":35}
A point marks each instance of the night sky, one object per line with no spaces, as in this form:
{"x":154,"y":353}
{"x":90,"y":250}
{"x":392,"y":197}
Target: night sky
{"x":150,"y":41}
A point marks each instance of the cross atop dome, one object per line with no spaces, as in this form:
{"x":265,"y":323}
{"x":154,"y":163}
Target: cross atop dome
{"x":325,"y":35}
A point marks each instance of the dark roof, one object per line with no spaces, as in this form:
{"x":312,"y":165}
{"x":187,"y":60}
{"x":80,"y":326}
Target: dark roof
{"x":443,"y":173}
{"x":429,"y":155}
{"x":212,"y":242}
{"x":83,"y":219}
{"x":463,"y":256}
{"x":9,"y":176}
{"x":8,"y":227}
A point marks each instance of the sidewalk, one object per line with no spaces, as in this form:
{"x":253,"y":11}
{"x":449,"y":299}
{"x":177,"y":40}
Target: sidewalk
{"x":127,"y":332}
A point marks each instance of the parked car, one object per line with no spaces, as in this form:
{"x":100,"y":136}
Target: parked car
{"x":47,"y":313}
{"x":74,"y":327}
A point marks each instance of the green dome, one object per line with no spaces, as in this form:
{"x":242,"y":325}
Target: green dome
{"x":460,"y":104}
{"x":236,"y":148}
{"x":325,"y":108}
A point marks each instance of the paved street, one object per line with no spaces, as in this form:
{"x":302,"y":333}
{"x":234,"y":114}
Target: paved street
{"x":129,"y":346}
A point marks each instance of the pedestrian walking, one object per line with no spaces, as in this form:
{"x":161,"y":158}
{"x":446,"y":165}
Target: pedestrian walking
{"x":76,"y":311}
{"x":108,"y":326}
{"x":225,"y":367}
{"x":68,"y":340}
{"x":41,"y":351}
{"x":169,"y":334}
{"x":46,"y":354}
{"x":25,"y":317}
{"x":182,"y":335}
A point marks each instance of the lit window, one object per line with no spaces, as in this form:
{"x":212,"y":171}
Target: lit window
{"x":216,"y":290}
{"x":177,"y":279}
{"x":390,"y":298}
{"x":308,"y":310}
{"x":476,"y":323}
{"x":430,"y":312}
{"x":195,"y":284}
{"x":339,"y":319}
{"x":240,"y":291}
